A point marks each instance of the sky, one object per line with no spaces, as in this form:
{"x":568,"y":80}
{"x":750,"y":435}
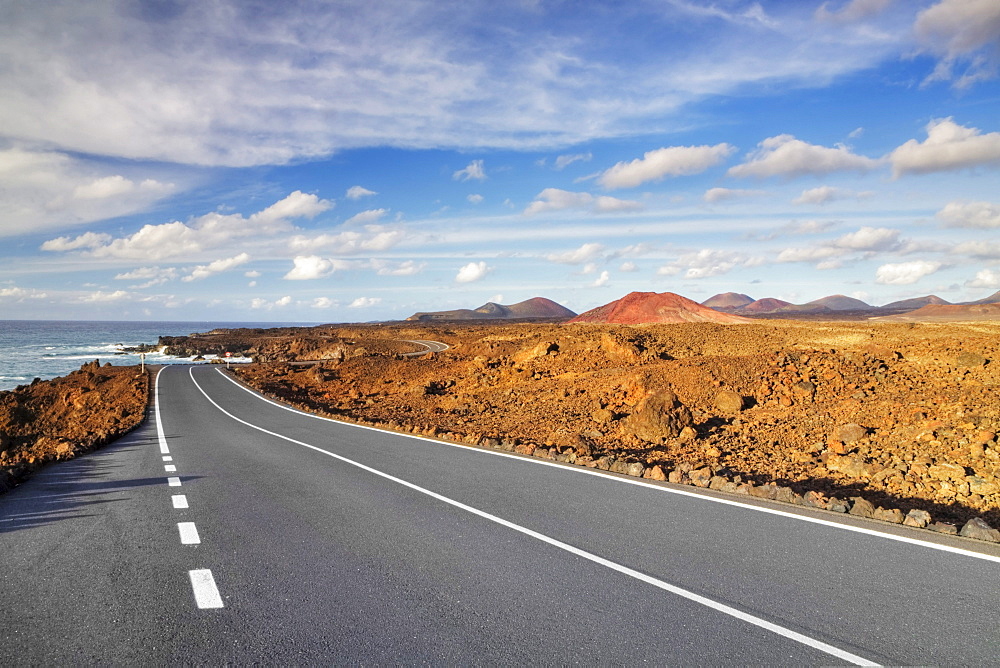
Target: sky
{"x":320,"y":161}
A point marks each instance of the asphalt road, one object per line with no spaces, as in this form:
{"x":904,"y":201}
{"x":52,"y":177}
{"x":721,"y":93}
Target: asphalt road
{"x":293,"y":539}
{"x":428,"y":347}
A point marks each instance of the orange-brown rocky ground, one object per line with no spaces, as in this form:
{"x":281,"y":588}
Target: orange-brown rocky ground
{"x":60,"y":418}
{"x":904,"y":416}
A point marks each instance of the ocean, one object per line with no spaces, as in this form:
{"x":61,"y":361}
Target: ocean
{"x":46,"y":349}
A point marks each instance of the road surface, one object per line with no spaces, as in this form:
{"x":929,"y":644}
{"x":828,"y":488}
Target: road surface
{"x":429,"y":347}
{"x":243,"y":531}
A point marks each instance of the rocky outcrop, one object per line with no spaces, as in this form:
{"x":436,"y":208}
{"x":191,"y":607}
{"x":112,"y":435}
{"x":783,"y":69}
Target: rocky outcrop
{"x":63,"y":417}
{"x":529,"y":309}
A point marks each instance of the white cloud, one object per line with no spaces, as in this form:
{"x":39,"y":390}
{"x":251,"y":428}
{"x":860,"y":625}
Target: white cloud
{"x":357,"y":192}
{"x":870,"y":239}
{"x":284,"y":301}
{"x":905,"y":273}
{"x":101,"y":297}
{"x":948,"y":146}
{"x":367,"y":217}
{"x":44,"y":190}
{"x":708,"y":262}
{"x":323,"y":302}
{"x":961,"y":31}
{"x":554,"y":199}
{"x":364,"y":302}
{"x":374,"y":238}
{"x":628,"y":267}
{"x":585,"y":253}
{"x":217,"y":267}
{"x":809,"y":254}
{"x":406,"y":268}
{"x":850,"y":12}
{"x":713,"y":195}
{"x":473,"y":271}
{"x":20,"y":294}
{"x":988,"y":250}
{"x":602,"y":280}
{"x":258,"y":303}
{"x":663,"y":162}
{"x":564,"y":161}
{"x":473,"y":171}
{"x":784,"y":155}
{"x":87,"y":240}
{"x":150,"y":275}
{"x":207,"y":232}
{"x":985,"y":278}
{"x":824,"y":194}
{"x":982,"y":215}
{"x":253,"y":273}
{"x":475,"y":199}
{"x":309,"y":267}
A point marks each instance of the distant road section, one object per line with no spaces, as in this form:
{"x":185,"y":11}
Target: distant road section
{"x":430,"y":347}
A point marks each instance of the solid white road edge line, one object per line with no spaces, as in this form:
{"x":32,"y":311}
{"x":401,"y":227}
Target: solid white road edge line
{"x":156,"y":411}
{"x":669,"y":490}
{"x":189,"y":533}
{"x":179,"y":501}
{"x":625,"y":570}
{"x":206,"y":594}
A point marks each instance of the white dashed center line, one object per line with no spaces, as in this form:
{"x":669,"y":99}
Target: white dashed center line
{"x":206,"y":594}
{"x":179,"y":500}
{"x":189,"y":533}
{"x":174,"y":481}
{"x":169,"y":468}
{"x":168,"y":458}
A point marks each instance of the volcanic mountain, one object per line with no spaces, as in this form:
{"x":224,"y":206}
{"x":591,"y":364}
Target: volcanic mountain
{"x":766,"y":305}
{"x":536,"y":307}
{"x":841,"y":303}
{"x":914,"y":303}
{"x":947,"y":313}
{"x":992,"y":299}
{"x":727,"y":301}
{"x":638,"y":308}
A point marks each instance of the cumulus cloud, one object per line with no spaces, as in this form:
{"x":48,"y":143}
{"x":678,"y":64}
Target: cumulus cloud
{"x":309,"y":268}
{"x":664,"y":162}
{"x":475,"y":199}
{"x":985,"y":278}
{"x":473,"y":171}
{"x":713,"y":195}
{"x":367,"y":217}
{"x":101,"y":297}
{"x":554,"y":199}
{"x":323,"y":302}
{"x":585,"y":253}
{"x":961,"y":32}
{"x":905,"y":273}
{"x":601,"y":280}
{"x":45,"y":190}
{"x":472,"y":272}
{"x":784,"y":155}
{"x":372,"y":239}
{"x":863,"y":240}
{"x":364,"y":302}
{"x":628,"y":267}
{"x":406,"y":268}
{"x":357,"y":192}
{"x":207,"y":232}
{"x":20,"y":294}
{"x":149,"y":275}
{"x":948,"y":146}
{"x":982,"y":215}
{"x":824,"y":194}
{"x":708,"y":262}
{"x":87,"y":240}
{"x":564,"y":161}
{"x":204,"y":271}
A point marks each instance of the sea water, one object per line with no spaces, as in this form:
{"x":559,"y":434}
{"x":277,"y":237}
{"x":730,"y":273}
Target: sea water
{"x":45,"y":349}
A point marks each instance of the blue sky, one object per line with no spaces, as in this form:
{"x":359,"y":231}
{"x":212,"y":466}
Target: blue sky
{"x":351,"y":161}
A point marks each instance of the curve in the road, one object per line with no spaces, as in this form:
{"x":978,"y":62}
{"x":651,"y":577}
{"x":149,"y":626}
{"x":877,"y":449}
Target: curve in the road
{"x":429,"y":347}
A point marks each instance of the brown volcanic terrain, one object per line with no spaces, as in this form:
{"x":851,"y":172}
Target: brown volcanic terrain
{"x":60,"y":418}
{"x":947,"y":313}
{"x":651,"y":307}
{"x":727,"y":301}
{"x":534,"y":308}
{"x":877,"y":419}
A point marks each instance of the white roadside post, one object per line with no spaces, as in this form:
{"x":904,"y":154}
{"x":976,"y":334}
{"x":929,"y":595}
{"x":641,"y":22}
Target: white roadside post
{"x":228,"y":355}
{"x":142,"y":362}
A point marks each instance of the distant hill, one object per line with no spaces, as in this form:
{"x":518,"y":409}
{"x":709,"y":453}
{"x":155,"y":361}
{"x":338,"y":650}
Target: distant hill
{"x":536,"y":307}
{"x":914,"y":303}
{"x":727,"y":301}
{"x":841,"y":303}
{"x":947,"y":313}
{"x":765,"y":305}
{"x":638,"y":308}
{"x":992,"y":299}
